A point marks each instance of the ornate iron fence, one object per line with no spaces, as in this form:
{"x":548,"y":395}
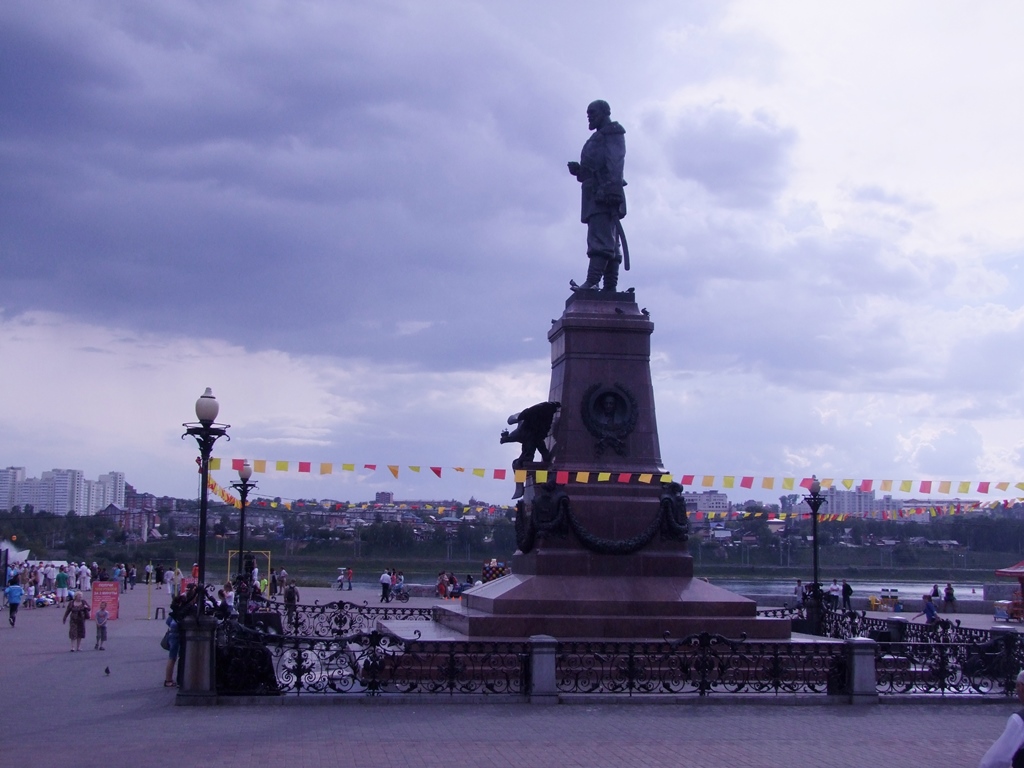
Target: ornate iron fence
{"x":339,"y":648}
{"x":701,"y":665}
{"x":250,"y":662}
{"x":844,"y":625}
{"x":949,"y":668}
{"x":329,"y":620}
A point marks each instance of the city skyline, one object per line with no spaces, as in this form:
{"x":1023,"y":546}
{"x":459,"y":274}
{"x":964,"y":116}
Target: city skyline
{"x":355,"y":224}
{"x":53,"y":491}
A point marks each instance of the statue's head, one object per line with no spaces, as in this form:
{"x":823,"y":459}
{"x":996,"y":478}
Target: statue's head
{"x":598,"y":113}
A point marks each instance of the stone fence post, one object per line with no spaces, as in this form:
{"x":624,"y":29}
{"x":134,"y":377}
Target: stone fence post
{"x":543,"y":689}
{"x":862,"y":680}
{"x":199,"y":681}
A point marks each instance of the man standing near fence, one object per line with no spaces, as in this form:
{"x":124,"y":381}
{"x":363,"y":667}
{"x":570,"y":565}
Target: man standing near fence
{"x":1009,"y":748}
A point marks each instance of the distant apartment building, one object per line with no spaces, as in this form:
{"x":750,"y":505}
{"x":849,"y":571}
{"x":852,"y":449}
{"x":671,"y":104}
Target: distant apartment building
{"x":864,"y":504}
{"x":60,"y":491}
{"x":842,"y":502}
{"x":384,"y":497}
{"x":9,"y":479}
{"x":66,"y":489}
{"x":706,"y":501}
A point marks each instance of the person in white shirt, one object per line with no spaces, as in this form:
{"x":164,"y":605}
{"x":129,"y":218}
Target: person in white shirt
{"x":1009,"y":748}
{"x":834,"y":591}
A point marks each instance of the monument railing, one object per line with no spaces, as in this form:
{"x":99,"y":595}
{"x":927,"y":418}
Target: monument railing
{"x":948,"y":669}
{"x":844,"y":625}
{"x":702,"y":665}
{"x":374,"y":663}
{"x":330,"y":619}
{"x":341,"y":650}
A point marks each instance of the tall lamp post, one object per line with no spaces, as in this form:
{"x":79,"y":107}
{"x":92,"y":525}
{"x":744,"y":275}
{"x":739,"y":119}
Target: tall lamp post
{"x":206,"y":432}
{"x":814,"y":501}
{"x":243,"y":486}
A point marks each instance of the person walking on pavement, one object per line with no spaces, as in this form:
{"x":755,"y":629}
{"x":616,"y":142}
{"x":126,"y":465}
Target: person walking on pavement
{"x":385,"y":586}
{"x":78,"y":612}
{"x":14,"y":594}
{"x":929,"y":611}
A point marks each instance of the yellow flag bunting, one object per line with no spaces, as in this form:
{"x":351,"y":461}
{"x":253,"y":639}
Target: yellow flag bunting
{"x":905,"y":513}
{"x":946,"y":487}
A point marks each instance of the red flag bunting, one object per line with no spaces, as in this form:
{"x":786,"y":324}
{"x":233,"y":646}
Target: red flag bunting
{"x":304,"y":466}
{"x":237,"y":464}
{"x":561,"y":477}
{"x":747,"y":482}
{"x":499,"y":474}
{"x":624,"y":477}
{"x":436,"y":471}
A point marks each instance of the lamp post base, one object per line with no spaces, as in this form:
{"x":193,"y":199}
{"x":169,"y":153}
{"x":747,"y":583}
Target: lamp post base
{"x":199,"y":679}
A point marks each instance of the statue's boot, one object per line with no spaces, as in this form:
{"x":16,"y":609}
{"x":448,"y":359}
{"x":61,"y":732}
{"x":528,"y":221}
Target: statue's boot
{"x":594,"y":274}
{"x":520,"y":490}
{"x":611,"y":275}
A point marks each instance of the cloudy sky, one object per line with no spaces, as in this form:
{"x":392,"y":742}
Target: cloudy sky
{"x":353,"y":221}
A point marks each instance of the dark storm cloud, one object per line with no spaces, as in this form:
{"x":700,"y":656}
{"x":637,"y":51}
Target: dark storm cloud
{"x":740,"y":160}
{"x":317,"y":168}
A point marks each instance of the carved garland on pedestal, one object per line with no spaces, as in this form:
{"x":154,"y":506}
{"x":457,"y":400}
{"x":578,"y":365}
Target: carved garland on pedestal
{"x":551,"y":514}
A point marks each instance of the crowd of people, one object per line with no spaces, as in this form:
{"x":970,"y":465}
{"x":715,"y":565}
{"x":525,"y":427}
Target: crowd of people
{"x":51,"y":583}
{"x":836,"y":593}
{"x":449,"y":587}
{"x":391,"y":583}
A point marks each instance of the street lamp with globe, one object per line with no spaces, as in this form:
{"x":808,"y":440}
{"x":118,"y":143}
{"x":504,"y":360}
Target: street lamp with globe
{"x":814,"y":501}
{"x":206,"y":432}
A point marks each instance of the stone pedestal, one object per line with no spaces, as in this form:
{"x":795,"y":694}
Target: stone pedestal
{"x":597,"y":559}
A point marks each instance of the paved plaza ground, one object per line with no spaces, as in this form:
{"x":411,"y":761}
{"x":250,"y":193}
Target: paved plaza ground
{"x":62,"y":710}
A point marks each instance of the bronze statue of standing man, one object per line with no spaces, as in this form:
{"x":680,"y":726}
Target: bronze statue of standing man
{"x":599,"y":171}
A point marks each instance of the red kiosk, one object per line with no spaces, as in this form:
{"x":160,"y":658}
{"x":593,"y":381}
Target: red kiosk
{"x":1012,"y":609}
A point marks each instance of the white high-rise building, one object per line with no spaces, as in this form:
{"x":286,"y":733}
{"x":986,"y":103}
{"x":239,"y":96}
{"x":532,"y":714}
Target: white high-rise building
{"x":35,"y":493}
{"x":843,"y":502}
{"x":9,"y":479}
{"x":113,"y":489}
{"x":65,"y":490}
{"x":60,"y":491}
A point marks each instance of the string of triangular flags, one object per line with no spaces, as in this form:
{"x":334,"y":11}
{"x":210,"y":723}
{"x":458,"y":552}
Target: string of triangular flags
{"x":941,"y":510}
{"x":906,"y":513}
{"x":945,"y":487}
{"x":229,"y":498}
